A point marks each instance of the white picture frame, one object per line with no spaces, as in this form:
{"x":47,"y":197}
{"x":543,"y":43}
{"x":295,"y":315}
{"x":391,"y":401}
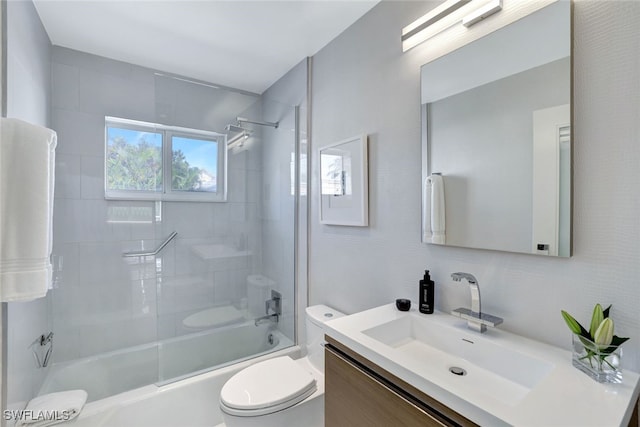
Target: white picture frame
{"x":344,"y":182}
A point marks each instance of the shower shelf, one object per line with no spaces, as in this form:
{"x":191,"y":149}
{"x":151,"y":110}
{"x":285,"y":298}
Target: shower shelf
{"x":209,"y":252}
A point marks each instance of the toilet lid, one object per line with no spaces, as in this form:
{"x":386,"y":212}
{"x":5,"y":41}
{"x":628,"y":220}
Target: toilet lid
{"x":279,"y":382}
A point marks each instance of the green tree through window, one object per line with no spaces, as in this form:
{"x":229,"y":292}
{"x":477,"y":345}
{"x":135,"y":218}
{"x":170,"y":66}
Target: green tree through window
{"x":142,"y":157}
{"x":184,"y":177}
{"x":134,"y":164}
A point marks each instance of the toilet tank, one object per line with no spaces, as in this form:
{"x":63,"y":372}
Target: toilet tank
{"x":317,"y":315}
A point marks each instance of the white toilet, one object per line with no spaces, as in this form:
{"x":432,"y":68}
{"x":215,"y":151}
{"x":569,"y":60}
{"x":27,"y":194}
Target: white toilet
{"x":281,"y":391}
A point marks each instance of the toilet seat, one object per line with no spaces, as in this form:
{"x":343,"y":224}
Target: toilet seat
{"x":266,"y":387}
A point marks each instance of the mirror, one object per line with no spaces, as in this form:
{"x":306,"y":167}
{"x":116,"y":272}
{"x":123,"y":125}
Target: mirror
{"x":496,"y":126}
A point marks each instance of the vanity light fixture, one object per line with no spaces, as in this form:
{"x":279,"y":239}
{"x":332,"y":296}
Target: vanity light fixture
{"x":482,"y":12}
{"x":433,"y":22}
{"x":422,"y":29}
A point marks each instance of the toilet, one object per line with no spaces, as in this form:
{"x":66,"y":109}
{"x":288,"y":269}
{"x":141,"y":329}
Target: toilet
{"x":281,"y":391}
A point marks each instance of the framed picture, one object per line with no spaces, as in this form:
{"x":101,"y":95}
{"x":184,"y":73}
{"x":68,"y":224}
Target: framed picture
{"x":344,"y":183}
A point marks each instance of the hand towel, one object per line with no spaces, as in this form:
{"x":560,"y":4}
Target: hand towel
{"x":53,"y":408}
{"x":27,"y":159}
{"x":433,"y":210}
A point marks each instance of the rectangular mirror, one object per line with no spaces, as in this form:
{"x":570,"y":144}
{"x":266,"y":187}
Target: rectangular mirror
{"x":496,"y":126}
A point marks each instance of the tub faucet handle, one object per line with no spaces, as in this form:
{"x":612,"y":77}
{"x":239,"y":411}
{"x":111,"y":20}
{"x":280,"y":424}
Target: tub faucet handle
{"x":274,"y":304}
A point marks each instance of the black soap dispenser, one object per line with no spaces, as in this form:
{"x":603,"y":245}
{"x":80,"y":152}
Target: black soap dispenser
{"x":425,"y":300}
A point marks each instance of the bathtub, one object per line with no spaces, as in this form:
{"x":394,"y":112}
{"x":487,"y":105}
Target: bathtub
{"x":125,"y":389}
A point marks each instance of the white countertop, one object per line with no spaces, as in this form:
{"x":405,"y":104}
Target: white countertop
{"x":564,"y":397}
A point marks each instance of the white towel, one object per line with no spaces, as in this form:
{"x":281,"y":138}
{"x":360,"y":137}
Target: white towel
{"x":27,"y":160}
{"x":53,"y":408}
{"x":433,"y":211}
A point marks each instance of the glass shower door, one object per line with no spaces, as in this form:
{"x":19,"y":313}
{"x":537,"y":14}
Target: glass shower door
{"x":213,"y":282}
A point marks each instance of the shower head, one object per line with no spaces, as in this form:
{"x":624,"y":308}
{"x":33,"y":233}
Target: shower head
{"x":238,"y":140}
{"x":242,"y":134}
{"x":235,"y":128}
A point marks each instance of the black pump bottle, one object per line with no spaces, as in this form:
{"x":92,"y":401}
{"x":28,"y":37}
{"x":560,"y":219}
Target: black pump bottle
{"x":425,"y":299}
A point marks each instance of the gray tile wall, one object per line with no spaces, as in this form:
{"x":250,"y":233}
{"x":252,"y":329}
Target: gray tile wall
{"x":104,"y":302}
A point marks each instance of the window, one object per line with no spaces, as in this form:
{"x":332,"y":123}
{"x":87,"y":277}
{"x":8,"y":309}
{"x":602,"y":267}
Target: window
{"x":147,"y":161}
{"x":134,"y":160}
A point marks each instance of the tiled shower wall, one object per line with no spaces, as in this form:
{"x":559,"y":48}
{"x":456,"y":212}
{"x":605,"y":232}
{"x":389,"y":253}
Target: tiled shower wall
{"x":102,"y":301}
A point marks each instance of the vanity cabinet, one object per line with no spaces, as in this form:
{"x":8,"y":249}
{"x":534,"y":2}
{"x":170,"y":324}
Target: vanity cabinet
{"x":360,"y":393}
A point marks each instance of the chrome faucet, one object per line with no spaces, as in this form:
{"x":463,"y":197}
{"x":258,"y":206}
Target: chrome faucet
{"x":473,"y":286}
{"x":476,"y":320}
{"x":274,"y":304}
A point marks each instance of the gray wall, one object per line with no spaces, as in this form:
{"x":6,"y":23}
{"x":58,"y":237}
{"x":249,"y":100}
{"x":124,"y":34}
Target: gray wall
{"x":364,"y":83}
{"x":28,"y":98}
{"x":28,"y":64}
{"x":482,"y":141}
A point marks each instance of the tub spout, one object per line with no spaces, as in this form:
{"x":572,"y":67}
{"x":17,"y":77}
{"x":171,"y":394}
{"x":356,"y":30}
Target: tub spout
{"x":268,"y":318}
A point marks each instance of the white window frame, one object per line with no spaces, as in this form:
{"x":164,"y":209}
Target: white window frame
{"x":167,"y":193}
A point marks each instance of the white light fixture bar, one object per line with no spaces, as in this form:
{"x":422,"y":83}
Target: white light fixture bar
{"x":415,"y":33}
{"x":482,"y":12}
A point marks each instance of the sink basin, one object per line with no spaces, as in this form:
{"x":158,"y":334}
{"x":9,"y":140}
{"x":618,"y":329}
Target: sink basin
{"x":496,"y":379}
{"x":472,"y":360}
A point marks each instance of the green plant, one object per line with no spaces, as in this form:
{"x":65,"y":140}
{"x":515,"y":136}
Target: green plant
{"x":599,"y":341}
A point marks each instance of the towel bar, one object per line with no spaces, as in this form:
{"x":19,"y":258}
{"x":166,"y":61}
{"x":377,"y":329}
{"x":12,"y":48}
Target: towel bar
{"x":151,"y":253}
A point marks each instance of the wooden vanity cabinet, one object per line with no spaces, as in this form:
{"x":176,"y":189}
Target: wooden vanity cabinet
{"x":358,"y":393}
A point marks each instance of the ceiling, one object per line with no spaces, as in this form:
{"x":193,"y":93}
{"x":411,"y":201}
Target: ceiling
{"x":242,"y":44}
